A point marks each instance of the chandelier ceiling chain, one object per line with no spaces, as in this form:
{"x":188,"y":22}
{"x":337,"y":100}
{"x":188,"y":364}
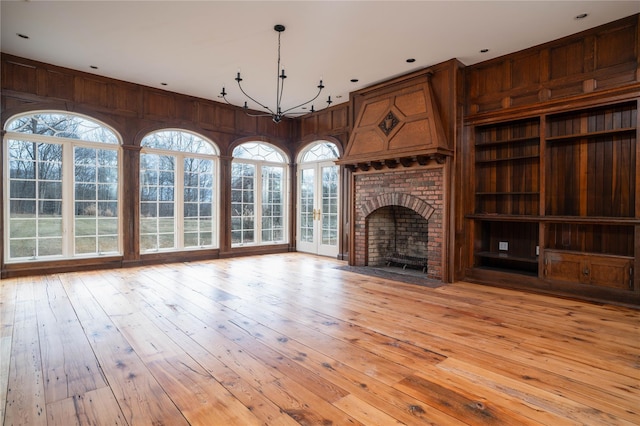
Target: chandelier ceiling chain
{"x":278,"y":114}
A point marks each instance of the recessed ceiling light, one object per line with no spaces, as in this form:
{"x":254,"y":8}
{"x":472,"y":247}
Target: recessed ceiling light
{"x":484,"y":50}
{"x":582,"y":16}
{"x":410,"y":60}
{"x":22,"y":36}
{"x":93,"y":67}
{"x":354,"y":80}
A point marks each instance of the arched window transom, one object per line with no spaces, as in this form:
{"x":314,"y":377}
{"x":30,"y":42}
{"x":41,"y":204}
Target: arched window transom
{"x":320,"y":151}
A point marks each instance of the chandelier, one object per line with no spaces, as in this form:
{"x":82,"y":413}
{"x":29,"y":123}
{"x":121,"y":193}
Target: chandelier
{"x":276,"y":114}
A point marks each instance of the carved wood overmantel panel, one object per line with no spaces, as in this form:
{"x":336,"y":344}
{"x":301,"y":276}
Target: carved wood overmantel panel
{"x":398,"y":124}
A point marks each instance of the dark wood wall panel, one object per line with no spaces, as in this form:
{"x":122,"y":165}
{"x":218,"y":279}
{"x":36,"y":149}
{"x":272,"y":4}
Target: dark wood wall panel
{"x":328,"y":122}
{"x":56,"y":84}
{"x":224,"y":118}
{"x":185,"y":110}
{"x":19,"y":77}
{"x":125,"y":100}
{"x":608,"y":45}
{"x":525,"y":70}
{"x":10,"y":103}
{"x":325,"y":123}
{"x":158,"y":105}
{"x":340,"y":118}
{"x":92,"y":91}
{"x":603,"y":239}
{"x":308,"y":126}
{"x":591,"y":61}
{"x":282,"y":130}
{"x":496,"y":83}
{"x":207,"y":115}
{"x":567,"y":60}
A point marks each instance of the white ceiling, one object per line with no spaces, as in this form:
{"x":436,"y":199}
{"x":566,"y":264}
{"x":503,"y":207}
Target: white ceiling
{"x":196,"y":47}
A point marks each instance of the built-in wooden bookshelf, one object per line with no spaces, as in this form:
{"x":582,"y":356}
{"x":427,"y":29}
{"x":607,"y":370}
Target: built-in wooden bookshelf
{"x":507,"y":165}
{"x":591,"y":175}
{"x":556,"y":196}
{"x":508,"y":168}
{"x":507,"y":245}
{"x":591,"y":162}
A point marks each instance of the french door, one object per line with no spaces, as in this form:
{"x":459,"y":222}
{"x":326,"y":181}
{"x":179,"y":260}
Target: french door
{"x":318,"y":206}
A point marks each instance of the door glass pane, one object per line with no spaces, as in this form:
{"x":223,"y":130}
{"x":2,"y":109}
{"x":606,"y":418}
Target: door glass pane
{"x":306,"y":205}
{"x":330,"y":205}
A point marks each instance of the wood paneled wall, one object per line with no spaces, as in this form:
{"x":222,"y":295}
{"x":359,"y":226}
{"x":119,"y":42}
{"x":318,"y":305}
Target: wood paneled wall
{"x":26,"y":83}
{"x":588,"y":62}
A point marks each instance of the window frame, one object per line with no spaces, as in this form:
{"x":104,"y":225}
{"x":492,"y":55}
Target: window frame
{"x":68,"y":232}
{"x":258,"y":191}
{"x":178,"y":193}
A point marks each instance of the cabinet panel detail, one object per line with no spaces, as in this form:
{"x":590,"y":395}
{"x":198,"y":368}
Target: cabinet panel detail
{"x":595,"y":270}
{"x":564,"y":266}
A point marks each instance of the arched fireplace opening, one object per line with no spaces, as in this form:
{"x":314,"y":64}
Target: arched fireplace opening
{"x":397,"y":236}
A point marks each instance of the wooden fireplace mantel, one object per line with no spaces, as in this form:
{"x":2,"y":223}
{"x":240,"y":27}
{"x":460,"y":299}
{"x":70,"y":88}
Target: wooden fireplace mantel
{"x":397,"y":124}
{"x":364,"y":164}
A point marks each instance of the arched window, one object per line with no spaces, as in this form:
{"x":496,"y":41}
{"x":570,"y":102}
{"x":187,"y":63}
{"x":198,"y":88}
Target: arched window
{"x":62,"y":172}
{"x":177,"y":192}
{"x":258,"y":195}
{"x":319,"y":151}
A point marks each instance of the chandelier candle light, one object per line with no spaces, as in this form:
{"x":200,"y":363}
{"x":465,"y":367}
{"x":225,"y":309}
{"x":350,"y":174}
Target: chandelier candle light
{"x":278,"y":114}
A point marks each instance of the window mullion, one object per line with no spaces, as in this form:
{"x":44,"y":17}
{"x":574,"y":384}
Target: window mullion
{"x":257,"y":220}
{"x":178,"y":200}
{"x":68,"y":200}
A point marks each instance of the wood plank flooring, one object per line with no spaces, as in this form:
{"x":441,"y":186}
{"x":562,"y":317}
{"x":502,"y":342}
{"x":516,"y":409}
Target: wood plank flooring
{"x":290,"y":339}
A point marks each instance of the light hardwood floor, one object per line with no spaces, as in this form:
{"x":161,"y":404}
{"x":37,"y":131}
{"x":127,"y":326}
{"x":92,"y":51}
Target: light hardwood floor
{"x":291,"y":339}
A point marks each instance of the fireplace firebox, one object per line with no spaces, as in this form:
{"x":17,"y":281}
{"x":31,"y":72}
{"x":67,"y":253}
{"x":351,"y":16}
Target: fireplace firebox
{"x":398,"y":219}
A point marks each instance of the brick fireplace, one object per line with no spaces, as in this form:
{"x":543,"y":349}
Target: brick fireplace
{"x":399,"y":212}
{"x":400,"y":160}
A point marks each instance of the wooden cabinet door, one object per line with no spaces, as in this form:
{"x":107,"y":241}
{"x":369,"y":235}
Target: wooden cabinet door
{"x":590,"y":269}
{"x":609,"y":271}
{"x":565,"y":267}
